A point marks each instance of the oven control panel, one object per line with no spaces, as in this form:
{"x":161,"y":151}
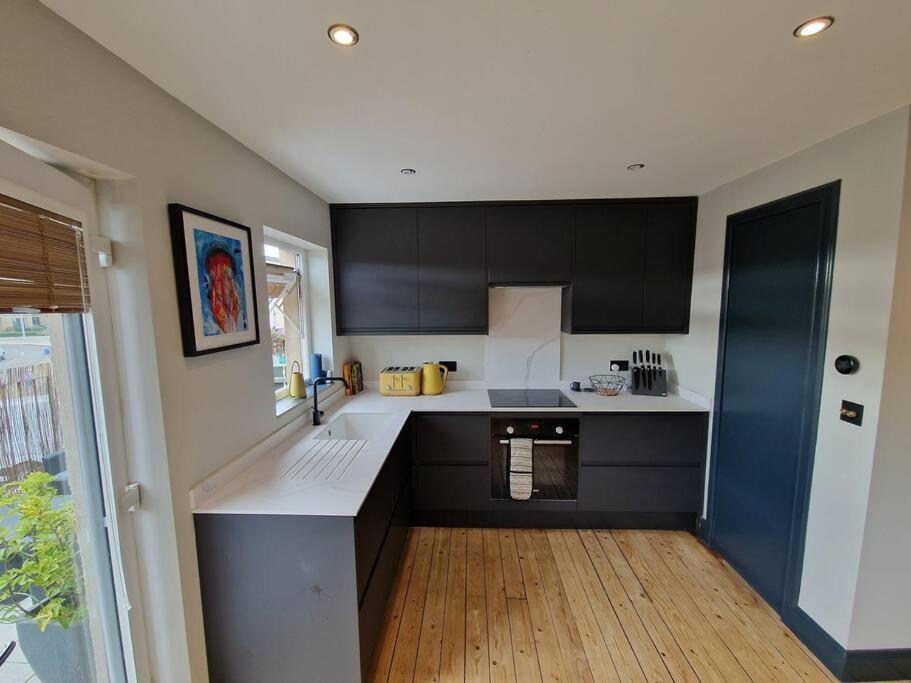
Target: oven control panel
{"x":534,"y":428}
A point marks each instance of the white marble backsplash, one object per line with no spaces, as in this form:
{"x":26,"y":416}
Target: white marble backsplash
{"x":523,"y":343}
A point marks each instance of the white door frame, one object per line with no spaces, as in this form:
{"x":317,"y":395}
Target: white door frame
{"x":55,"y":191}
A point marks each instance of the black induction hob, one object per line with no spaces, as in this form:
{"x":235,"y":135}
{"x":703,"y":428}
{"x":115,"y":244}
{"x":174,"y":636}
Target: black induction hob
{"x":528,"y":398}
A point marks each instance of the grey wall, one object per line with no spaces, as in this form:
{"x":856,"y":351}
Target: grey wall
{"x":870,"y":160}
{"x":882,"y":612}
{"x":185,"y":418}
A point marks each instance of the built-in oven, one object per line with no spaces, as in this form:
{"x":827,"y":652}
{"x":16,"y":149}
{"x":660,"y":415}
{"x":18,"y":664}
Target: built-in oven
{"x":540,"y":452}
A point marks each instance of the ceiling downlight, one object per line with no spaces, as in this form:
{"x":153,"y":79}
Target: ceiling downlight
{"x":343,"y":34}
{"x":635,"y":167}
{"x":813,"y":27}
{"x":407,"y":171}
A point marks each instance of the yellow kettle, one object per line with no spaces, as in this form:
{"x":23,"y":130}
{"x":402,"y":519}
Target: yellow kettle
{"x":297,"y":388}
{"x":433,"y":378}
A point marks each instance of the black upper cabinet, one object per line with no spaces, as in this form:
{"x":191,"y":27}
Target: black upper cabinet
{"x":376,"y":272}
{"x":607,"y":291}
{"x":530,"y":244}
{"x":452,"y":269}
{"x":669,"y":266}
{"x":627,"y":265}
{"x":633,"y":267}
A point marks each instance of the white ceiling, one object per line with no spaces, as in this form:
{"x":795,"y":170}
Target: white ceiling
{"x":512,"y":99}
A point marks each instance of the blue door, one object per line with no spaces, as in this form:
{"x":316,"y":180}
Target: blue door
{"x":771,"y":351}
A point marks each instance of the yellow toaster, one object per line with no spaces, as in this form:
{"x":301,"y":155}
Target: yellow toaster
{"x":400,"y":380}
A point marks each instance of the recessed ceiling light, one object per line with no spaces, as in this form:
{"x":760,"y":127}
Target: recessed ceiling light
{"x":813,"y":27}
{"x":343,"y":34}
{"x":407,"y":171}
{"x":635,"y":167}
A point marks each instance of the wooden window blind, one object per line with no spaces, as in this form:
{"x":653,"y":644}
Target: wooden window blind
{"x":42,"y":260}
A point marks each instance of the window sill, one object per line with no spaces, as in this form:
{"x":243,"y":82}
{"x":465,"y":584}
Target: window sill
{"x":283,"y":405}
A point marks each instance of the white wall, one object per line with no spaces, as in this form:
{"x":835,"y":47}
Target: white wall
{"x":590,"y":354}
{"x":882,"y":613}
{"x":375,"y":353}
{"x":62,"y":88}
{"x":870,"y":161}
{"x":581,"y":355}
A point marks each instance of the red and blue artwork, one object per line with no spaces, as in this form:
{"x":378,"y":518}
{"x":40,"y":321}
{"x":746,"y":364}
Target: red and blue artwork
{"x":216,"y":287}
{"x":222,"y":295}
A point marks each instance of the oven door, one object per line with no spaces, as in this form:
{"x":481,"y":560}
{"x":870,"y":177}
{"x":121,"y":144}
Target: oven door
{"x":555,"y":469}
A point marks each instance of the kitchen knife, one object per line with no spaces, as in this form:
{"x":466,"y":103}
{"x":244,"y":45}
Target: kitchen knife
{"x":648,"y":369}
{"x":660,"y":367}
{"x":635,"y":373}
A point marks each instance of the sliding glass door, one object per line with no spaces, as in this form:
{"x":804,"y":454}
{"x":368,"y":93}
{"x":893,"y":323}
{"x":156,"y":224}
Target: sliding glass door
{"x":64,"y":612}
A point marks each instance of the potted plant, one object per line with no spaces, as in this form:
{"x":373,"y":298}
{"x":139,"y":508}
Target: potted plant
{"x":41,"y":583}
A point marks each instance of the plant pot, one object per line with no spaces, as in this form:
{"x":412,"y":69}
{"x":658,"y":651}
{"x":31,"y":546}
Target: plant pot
{"x":57,"y":655}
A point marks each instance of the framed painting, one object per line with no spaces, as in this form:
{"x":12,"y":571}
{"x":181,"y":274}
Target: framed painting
{"x":216,"y":293}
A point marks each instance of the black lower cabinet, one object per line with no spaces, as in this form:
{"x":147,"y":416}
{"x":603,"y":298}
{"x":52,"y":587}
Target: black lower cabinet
{"x":372,"y":607}
{"x":289,"y":598}
{"x":451,"y":476}
{"x":638,"y":470}
{"x":644,"y":439}
{"x":644,"y":469}
{"x":451,"y":438}
{"x":374,"y":517}
{"x":451,"y":487}
{"x":641,"y":489}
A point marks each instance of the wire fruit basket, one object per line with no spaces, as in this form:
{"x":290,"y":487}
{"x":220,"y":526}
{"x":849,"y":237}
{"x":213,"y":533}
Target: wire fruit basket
{"x":607,"y":385}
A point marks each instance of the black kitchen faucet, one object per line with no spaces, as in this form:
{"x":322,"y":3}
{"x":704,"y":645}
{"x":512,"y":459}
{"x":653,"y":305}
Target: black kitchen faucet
{"x":317,"y":413}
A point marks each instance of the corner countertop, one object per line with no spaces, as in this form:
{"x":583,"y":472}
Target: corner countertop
{"x":254,"y":483}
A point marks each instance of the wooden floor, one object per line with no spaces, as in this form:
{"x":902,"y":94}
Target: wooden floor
{"x":594,"y":606}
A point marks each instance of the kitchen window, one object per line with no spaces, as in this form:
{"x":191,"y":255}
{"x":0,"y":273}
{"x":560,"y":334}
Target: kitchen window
{"x":289,"y":311}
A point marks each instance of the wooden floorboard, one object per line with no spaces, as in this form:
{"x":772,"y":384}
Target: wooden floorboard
{"x":385,"y":647}
{"x":515,"y":605}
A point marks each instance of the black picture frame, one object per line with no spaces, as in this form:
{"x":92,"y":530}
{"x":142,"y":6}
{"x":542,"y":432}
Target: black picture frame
{"x":190,"y":304}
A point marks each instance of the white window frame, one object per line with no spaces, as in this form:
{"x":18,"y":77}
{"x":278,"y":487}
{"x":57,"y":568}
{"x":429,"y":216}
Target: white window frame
{"x":303,"y":324}
{"x":111,"y":443}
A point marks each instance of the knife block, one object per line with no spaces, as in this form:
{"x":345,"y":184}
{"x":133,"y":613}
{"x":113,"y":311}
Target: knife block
{"x":659,"y":386}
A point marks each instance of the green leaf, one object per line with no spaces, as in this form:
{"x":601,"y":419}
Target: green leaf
{"x":39,"y":551}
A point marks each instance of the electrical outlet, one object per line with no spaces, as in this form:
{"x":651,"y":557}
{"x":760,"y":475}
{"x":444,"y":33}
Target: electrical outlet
{"x":622,"y":365}
{"x":451,"y":364}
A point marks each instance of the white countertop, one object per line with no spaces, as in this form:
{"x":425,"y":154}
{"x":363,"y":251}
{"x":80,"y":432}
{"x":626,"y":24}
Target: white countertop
{"x":474,"y":399}
{"x":258,"y":482}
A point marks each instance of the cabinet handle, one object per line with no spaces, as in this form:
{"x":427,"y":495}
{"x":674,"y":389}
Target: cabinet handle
{"x":544,"y":442}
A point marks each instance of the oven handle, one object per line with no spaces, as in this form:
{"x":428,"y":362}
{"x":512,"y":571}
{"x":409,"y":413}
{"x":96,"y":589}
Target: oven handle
{"x":544,"y":442}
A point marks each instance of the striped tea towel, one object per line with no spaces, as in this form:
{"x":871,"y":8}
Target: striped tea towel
{"x":520,"y":468}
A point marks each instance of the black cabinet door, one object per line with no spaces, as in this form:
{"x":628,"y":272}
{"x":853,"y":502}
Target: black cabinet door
{"x":633,"y":267}
{"x":377,"y":509}
{"x":640,"y":489}
{"x":607,"y":290}
{"x":373,"y":603}
{"x":452,"y":269}
{"x":644,"y":439}
{"x":451,"y":487}
{"x":669,"y":266}
{"x":530,"y":244}
{"x":375,"y":252}
{"x":451,"y":439}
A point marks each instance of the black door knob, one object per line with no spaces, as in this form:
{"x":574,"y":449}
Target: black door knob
{"x":846,"y":364}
